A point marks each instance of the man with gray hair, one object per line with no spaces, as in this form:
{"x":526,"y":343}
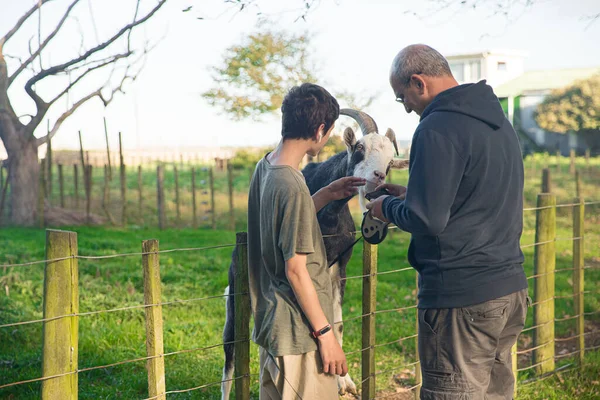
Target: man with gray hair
{"x":463,"y":206}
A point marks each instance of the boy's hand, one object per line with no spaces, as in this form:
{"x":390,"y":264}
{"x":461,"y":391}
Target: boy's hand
{"x":332,"y":355}
{"x":345,"y":187}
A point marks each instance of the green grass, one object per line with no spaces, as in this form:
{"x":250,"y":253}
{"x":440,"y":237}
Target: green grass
{"x":118,"y":282}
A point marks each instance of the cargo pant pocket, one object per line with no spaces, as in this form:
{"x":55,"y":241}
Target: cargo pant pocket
{"x":450,"y":385}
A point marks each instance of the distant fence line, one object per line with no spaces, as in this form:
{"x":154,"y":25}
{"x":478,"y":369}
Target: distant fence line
{"x":61,"y":311}
{"x":87,"y":188}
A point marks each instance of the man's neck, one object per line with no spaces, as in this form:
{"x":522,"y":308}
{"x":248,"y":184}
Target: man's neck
{"x":289,"y":152}
{"x":439,"y":85}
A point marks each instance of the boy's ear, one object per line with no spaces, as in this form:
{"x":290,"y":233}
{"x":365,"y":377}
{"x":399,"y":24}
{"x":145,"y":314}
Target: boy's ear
{"x":320,"y":133}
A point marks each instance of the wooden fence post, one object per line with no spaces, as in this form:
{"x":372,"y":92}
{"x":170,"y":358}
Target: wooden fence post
{"x":242,"y":320}
{"x":88,"y":191}
{"x":123,"y":182}
{"x":107,"y":151}
{"x":160,"y":197}
{"x":578,"y":184}
{"x":194,"y":214}
{"x":61,"y":297}
{"x":41,"y":195}
{"x":106,"y":196}
{"x":587,"y":158}
{"x":578,"y":281}
{"x":369,"y":305}
{"x":61,"y":185}
{"x":177,"y":199}
{"x":546,"y":181}
{"x":49,"y":163}
{"x":418,"y":376}
{"x":544,"y":265}
{"x":230,"y":186}
{"x":76,"y":183}
{"x":213,"y":211}
{"x":140,"y":195}
{"x":154,"y":320}
{"x":572,"y":163}
{"x":558,"y":160}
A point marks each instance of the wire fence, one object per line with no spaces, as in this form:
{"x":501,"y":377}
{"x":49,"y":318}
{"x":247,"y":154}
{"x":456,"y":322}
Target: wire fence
{"x":368,"y":377}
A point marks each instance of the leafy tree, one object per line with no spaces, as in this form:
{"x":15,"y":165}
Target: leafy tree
{"x":256,"y":74}
{"x":575,"y":108}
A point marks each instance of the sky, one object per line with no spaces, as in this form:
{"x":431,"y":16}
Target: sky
{"x":354,"y":43}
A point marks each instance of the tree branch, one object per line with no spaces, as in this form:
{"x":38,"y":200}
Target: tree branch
{"x":59,"y":68}
{"x":64,"y":116}
{"x":97,"y":93}
{"x":42,"y":106}
{"x":98,"y":66}
{"x":20,"y":23}
{"x":43,"y":45}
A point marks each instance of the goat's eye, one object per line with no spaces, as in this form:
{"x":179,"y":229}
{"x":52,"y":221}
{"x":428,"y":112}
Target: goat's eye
{"x":360,"y":147}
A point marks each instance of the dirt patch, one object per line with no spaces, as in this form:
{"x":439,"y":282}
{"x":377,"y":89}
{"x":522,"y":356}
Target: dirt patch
{"x":56,"y":216}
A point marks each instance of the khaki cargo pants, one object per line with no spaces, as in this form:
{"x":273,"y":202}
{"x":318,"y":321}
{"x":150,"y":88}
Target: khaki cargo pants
{"x":295,"y":377}
{"x":466,"y":352}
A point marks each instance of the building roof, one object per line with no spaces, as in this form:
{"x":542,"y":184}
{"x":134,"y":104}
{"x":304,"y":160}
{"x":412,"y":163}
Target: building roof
{"x":543,"y":80}
{"x":485,"y":53}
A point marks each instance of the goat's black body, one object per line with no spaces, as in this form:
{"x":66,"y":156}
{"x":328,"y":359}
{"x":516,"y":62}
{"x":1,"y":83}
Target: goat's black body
{"x":334,"y":219}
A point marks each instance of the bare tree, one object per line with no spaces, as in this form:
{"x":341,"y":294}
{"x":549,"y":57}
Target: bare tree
{"x":114,"y":54}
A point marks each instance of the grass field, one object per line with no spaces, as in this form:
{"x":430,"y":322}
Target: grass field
{"x":117,"y":282}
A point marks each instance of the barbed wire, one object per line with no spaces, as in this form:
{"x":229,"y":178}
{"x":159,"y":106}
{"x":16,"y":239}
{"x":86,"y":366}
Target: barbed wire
{"x":587,"y":203}
{"x":140,"y":306}
{"x":77,"y":371}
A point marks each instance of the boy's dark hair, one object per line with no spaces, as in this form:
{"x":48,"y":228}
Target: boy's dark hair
{"x":304,"y":108}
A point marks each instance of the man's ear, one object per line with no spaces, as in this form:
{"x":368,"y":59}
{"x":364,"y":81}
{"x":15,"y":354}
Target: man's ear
{"x":418,"y":82}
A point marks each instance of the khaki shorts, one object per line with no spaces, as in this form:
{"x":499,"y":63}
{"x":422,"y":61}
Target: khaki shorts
{"x":295,"y":377}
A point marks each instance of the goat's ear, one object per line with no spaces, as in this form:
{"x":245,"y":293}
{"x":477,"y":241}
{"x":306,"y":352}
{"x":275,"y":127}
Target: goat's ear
{"x":349,"y":138}
{"x":392,"y":136}
{"x":400,"y":164}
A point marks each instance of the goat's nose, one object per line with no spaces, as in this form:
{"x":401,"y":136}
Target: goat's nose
{"x":379,"y":175}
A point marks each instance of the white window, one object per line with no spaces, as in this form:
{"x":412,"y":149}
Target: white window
{"x":475,"y":70}
{"x":501,"y":66}
{"x":458,"y":70}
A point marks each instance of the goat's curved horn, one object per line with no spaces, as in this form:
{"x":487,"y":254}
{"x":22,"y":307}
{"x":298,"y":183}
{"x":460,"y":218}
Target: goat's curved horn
{"x":366,"y":123}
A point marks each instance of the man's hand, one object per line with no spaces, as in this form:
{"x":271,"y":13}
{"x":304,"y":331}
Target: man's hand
{"x":376,"y":208}
{"x":345,"y":187}
{"x":395,"y":190}
{"x":332,"y":355}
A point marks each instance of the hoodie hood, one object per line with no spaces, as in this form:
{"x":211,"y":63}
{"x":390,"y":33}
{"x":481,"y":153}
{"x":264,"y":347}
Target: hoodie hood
{"x":476,"y":100}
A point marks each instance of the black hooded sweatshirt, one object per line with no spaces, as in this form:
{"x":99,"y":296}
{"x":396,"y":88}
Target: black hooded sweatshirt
{"x":464,"y":201}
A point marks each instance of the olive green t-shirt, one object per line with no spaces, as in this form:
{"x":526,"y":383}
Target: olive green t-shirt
{"x":282,"y":221}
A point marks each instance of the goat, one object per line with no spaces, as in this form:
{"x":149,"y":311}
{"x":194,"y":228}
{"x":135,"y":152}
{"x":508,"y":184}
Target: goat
{"x":370,"y":157}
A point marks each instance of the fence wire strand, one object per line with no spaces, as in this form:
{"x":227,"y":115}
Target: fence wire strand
{"x":140,"y":306}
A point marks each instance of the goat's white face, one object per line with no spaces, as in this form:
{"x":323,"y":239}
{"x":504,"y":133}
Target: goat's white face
{"x":370,"y":157}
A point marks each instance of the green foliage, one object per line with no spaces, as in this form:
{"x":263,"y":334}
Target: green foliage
{"x":575,"y":108}
{"x":256,"y":74}
{"x":247,"y":159}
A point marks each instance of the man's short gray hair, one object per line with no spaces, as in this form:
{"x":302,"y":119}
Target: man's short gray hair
{"x":419,"y":59}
